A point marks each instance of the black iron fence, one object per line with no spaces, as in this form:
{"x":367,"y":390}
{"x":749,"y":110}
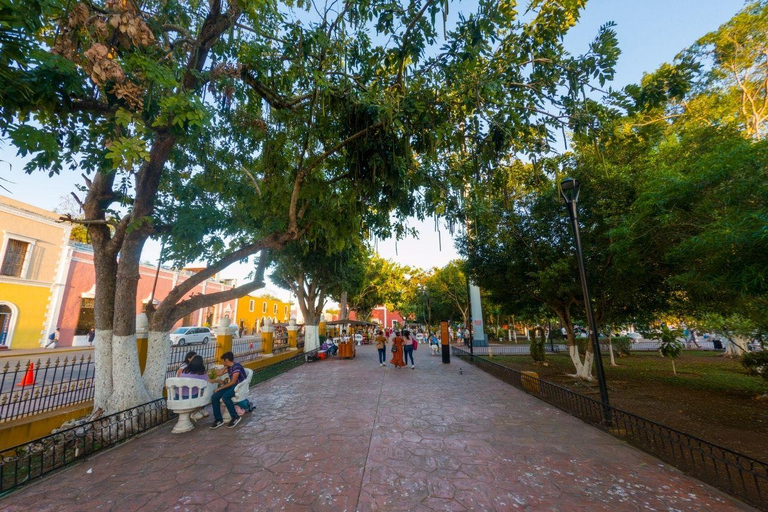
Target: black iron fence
{"x":738,"y":475}
{"x":28,"y":461}
{"x":40,"y":386}
{"x":37,"y":458}
{"x":37,"y":387}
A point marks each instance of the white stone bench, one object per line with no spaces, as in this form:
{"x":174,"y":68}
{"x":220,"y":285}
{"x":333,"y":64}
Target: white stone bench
{"x":176,"y":388}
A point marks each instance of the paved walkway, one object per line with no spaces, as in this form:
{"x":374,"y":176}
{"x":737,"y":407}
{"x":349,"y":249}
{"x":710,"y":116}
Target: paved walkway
{"x":349,"y":435}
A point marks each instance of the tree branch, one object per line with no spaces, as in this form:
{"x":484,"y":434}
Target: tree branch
{"x":203,"y":300}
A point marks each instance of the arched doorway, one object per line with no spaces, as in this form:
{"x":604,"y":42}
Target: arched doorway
{"x":9,"y":314}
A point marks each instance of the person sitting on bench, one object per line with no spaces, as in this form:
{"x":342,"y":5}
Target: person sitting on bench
{"x":227,"y":391}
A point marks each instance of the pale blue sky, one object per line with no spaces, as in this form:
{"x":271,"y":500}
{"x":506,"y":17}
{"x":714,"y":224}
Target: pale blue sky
{"x":650,"y":32}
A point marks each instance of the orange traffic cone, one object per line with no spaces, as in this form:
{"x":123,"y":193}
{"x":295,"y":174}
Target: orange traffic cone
{"x":29,"y":377}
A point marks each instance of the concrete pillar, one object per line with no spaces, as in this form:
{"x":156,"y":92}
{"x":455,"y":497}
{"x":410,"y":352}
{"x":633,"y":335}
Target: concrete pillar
{"x":266,"y":337}
{"x":223,"y":339}
{"x":142,"y":339}
{"x":293,"y":333}
{"x":478,"y":333}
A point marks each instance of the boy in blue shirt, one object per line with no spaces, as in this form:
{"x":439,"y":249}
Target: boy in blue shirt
{"x":226,"y":392}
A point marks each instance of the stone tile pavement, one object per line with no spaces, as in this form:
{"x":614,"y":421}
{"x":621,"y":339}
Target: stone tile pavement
{"x":348,"y":435}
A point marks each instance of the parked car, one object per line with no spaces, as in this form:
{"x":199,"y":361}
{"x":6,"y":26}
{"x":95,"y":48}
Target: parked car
{"x":190,"y":335}
{"x":634,"y":336}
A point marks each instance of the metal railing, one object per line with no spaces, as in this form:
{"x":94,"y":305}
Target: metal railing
{"x":37,"y":458}
{"x":740,"y":476}
{"x":38,"y":387}
{"x":28,"y":461}
{"x":57,"y":383}
{"x":555,"y":348}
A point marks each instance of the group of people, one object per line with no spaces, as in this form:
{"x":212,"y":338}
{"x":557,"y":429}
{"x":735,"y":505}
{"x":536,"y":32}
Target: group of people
{"x":402,"y":344}
{"x":194,"y":367}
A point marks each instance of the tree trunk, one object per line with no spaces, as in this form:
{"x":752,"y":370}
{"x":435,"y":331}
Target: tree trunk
{"x":158,"y":355}
{"x":674,"y":370}
{"x":610,"y":347}
{"x":129,"y":390}
{"x":583,"y":369}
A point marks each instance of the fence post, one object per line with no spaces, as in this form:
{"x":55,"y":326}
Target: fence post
{"x":266,"y":337}
{"x":293,"y":333}
{"x":223,"y":339}
{"x":142,"y":339}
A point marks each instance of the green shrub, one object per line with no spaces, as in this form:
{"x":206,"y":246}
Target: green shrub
{"x":670,"y":347}
{"x":756,"y":363}
{"x":537,"y":345}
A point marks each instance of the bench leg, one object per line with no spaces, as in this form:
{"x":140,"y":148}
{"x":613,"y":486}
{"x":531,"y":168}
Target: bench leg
{"x":184,"y":424}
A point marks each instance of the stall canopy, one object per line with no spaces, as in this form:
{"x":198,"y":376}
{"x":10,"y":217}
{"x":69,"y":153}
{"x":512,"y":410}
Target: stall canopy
{"x":356,"y":323}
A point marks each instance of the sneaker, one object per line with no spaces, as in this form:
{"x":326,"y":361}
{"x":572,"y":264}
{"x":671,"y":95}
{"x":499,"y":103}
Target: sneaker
{"x":234,"y":422}
{"x":217,"y":424}
{"x":413,"y":367}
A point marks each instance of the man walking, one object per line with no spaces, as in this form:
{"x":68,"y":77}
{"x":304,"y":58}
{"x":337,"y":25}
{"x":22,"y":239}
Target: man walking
{"x":226,"y":392}
{"x":53,"y":338}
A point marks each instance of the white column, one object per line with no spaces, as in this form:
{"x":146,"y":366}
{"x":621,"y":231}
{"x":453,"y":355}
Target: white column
{"x":478,"y":333}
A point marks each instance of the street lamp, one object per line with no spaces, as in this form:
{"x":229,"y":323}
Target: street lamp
{"x":569,"y":189}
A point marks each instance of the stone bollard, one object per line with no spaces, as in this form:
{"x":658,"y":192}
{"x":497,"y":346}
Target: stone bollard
{"x":142,"y":339}
{"x":266,"y":337}
{"x":293,"y":333}
{"x":223,"y":339}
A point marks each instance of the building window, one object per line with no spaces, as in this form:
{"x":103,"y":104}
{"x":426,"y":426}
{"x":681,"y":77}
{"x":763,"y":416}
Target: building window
{"x":274,"y":310}
{"x":252,"y":306}
{"x":264,"y":307}
{"x":16,"y":254}
{"x":85,"y":317}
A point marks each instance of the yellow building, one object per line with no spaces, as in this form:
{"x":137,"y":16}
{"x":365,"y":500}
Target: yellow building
{"x":251,"y":311}
{"x":34,"y":251}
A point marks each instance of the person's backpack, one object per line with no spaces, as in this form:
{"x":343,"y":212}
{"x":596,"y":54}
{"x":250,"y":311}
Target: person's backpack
{"x":52,"y":336}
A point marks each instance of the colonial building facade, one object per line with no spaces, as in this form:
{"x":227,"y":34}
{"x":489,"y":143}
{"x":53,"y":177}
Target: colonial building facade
{"x":34,"y":254}
{"x":76,"y":317}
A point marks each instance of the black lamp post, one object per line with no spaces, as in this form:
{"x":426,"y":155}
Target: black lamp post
{"x":569,"y":189}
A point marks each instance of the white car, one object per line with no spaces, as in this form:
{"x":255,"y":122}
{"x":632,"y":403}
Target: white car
{"x":190,"y":335}
{"x":635,"y":336}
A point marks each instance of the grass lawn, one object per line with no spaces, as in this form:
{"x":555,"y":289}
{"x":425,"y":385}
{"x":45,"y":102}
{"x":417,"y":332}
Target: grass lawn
{"x":711,"y":397}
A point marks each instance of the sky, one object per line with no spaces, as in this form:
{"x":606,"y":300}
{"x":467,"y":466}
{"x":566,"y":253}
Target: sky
{"x":650,"y":32}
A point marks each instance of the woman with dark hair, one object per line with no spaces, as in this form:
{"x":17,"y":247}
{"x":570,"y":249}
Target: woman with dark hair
{"x":397,"y":350}
{"x":187,"y":359}
{"x":195,"y":369}
{"x":408,"y":347}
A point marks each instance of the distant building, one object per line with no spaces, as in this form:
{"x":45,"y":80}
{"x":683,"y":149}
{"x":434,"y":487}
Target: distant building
{"x":76,"y":317}
{"x":252,"y":310}
{"x":386,"y":318}
{"x":33,"y":267}
{"x":379,"y":315}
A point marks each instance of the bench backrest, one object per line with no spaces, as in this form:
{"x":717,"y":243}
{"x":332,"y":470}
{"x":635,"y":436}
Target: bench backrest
{"x":177,"y":387}
{"x":241,"y":390}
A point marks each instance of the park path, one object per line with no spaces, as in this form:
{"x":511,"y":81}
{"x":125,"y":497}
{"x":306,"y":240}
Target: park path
{"x":349,"y":435}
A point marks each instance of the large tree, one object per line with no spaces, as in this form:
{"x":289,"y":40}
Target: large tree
{"x":308,"y":114}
